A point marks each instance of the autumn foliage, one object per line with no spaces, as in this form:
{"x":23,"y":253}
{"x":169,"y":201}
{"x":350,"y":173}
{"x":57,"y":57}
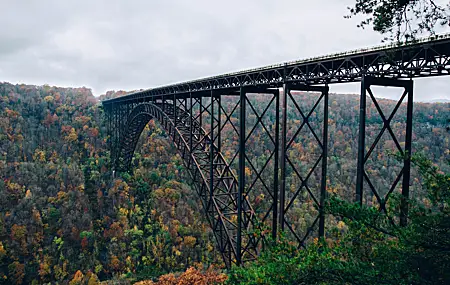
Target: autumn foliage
{"x":191,"y":276}
{"x":63,"y":218}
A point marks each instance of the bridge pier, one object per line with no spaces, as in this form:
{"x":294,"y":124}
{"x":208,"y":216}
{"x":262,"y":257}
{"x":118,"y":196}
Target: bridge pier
{"x":366,"y":83}
{"x":286,"y":144}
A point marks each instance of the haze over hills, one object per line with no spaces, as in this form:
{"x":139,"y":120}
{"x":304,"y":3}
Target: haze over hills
{"x":442,"y":100}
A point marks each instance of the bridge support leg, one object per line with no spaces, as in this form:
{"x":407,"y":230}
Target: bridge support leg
{"x":190,"y":122}
{"x":211,"y":153}
{"x":286,"y":162}
{"x":361,"y":142}
{"x":241,"y":188}
{"x":323,"y":182}
{"x":283,"y":154}
{"x":276,"y":166}
{"x":363,"y":156}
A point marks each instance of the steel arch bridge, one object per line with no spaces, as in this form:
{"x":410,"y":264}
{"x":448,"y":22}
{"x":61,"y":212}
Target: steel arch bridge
{"x":194,"y":114}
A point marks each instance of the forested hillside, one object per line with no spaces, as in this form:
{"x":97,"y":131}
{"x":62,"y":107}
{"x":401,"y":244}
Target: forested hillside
{"x":63,"y":217}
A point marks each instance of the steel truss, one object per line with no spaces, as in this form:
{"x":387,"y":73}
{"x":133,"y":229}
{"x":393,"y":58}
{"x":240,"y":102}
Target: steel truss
{"x":363,"y":156}
{"x":195,"y":125}
{"x":287,"y":165}
{"x":248,"y":196}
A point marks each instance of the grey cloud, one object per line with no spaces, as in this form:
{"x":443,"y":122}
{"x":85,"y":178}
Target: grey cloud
{"x":140,"y":44}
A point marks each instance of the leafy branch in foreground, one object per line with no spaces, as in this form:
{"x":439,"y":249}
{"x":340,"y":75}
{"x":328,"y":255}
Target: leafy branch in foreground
{"x":401,"y":19}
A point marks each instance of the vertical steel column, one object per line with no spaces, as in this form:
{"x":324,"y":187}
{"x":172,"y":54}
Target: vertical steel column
{"x":241,"y":188}
{"x":407,"y":159}
{"x":116,"y":131}
{"x":361,"y":141}
{"x":211,"y":153}
{"x":201,"y":113}
{"x":219,"y":122}
{"x":323,"y":186}
{"x":283,"y":154}
{"x":190,"y":122}
{"x":277,"y":157}
{"x":175,"y":110}
{"x":109,"y":111}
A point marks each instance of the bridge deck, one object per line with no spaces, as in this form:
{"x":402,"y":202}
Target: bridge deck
{"x":423,"y":58}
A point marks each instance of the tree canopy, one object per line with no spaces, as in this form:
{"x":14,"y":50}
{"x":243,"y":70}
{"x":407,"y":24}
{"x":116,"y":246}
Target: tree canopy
{"x":401,"y":19}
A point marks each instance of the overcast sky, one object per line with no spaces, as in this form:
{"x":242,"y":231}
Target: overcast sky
{"x":113,"y":45}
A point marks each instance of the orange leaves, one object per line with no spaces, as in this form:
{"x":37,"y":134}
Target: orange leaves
{"x":18,"y":233}
{"x":65,"y":129}
{"x":16,"y":272}
{"x":167,"y":194}
{"x":11,"y":113}
{"x":248,"y":172}
{"x":93,"y":132}
{"x":44,"y":268}
{"x":83,"y":120}
{"x":115,"y":263}
{"x":77,"y":278}
{"x":191,"y":276}
{"x":84,"y":243}
{"x":115,"y":230}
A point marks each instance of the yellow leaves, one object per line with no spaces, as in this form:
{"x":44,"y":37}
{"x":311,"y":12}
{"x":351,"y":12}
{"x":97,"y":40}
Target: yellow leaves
{"x":49,"y":99}
{"x":18,"y":233}
{"x":190,"y":241}
{"x":332,"y":190}
{"x":39,"y":155}
{"x":341,"y":225}
{"x":123,"y":211}
{"x":14,"y":188}
{"x":80,"y":188}
{"x":248,"y":172}
{"x":2,"y":251}
{"x":93,"y":280}
{"x":61,"y":195}
{"x":72,"y":136}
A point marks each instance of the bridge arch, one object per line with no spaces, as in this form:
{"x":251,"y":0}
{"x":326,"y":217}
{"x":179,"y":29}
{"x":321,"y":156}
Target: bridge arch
{"x":219,"y":201}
